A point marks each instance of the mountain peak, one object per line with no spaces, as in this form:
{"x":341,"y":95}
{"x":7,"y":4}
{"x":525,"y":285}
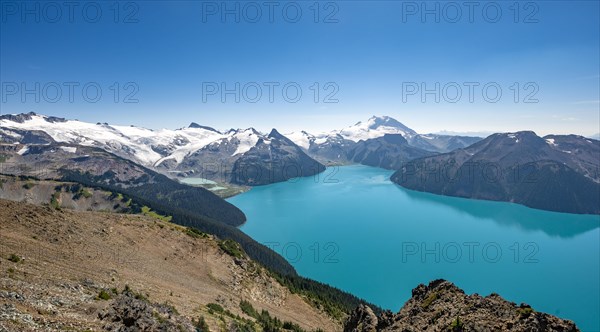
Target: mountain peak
{"x":274,"y":133}
{"x":376,"y":126}
{"x":375,"y":122}
{"x":194,"y":125}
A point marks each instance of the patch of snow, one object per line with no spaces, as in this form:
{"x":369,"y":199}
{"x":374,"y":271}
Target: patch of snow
{"x":69,"y":149}
{"x":217,"y":188}
{"x":300,"y":138}
{"x":550,"y":141}
{"x":248,"y":140}
{"x":23,"y":150}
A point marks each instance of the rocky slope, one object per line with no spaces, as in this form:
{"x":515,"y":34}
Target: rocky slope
{"x":66,"y":270}
{"x":61,"y":195}
{"x":556,"y":173}
{"x":441,"y":306}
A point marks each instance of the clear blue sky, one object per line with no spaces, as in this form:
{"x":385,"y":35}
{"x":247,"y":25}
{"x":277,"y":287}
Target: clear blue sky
{"x":171,"y":47}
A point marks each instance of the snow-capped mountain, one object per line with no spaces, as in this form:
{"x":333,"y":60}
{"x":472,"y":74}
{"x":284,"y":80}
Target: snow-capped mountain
{"x":375,"y":127}
{"x":185,"y":151}
{"x":145,"y":146}
{"x":337,"y":147}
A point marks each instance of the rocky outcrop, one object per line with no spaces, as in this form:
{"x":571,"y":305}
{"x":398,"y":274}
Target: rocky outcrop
{"x":363,"y":319}
{"x":130,"y":312}
{"x":441,"y":306}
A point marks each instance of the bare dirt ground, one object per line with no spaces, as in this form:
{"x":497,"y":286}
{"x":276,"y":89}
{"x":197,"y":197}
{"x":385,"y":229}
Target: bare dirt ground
{"x":65,"y":258}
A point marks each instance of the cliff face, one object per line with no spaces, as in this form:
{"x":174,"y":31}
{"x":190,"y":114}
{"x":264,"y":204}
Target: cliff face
{"x":441,"y":306}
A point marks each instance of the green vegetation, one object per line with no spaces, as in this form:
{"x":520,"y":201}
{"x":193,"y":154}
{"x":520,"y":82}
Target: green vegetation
{"x":191,"y":231}
{"x":2,"y":181}
{"x":524,"y":311}
{"x":138,"y":296}
{"x":456,"y":325}
{"x":54,"y":201}
{"x":266,"y":321}
{"x":28,"y":185}
{"x":103,"y":295}
{"x":248,"y":309}
{"x":232,"y":248}
{"x":85,"y":193}
{"x":214,"y":307}
{"x":14,"y":258}
{"x":148,"y":212}
{"x":201,"y":325}
{"x":332,"y":300}
{"x":2,"y":158}
{"x":432,"y":297}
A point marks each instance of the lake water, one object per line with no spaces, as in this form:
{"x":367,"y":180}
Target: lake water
{"x":354,"y":229}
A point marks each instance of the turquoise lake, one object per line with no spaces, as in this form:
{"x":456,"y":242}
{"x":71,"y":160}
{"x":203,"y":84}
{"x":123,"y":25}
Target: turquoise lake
{"x":352,"y":228}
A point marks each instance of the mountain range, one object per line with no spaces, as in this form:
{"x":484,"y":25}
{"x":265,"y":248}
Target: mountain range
{"x":363,"y":141}
{"x":554,"y":172}
{"x":239,"y":156}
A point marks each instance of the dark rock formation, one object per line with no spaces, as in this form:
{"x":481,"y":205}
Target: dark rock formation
{"x":441,"y":306}
{"x":130,"y":312}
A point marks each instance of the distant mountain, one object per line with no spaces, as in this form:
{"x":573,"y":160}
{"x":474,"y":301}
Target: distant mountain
{"x":389,"y":151}
{"x":248,"y":157}
{"x":556,"y":172}
{"x":596,"y":136}
{"x":342,"y":146}
{"x":193,"y":151}
{"x":442,"y":143}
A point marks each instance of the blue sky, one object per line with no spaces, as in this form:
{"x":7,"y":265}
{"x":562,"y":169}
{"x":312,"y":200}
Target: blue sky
{"x":366,"y":54}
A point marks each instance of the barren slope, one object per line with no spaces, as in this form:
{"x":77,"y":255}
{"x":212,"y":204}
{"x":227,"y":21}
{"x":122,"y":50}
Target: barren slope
{"x":68,"y":257}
